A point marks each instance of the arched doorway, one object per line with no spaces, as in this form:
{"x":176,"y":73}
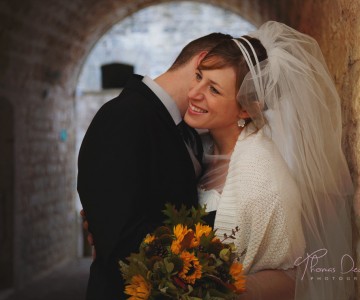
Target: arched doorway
{"x":149,"y":40}
{"x":6,"y":194}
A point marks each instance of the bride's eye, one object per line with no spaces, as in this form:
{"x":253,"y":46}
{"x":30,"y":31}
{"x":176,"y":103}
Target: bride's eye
{"x":214,"y":90}
{"x":198,"y":76}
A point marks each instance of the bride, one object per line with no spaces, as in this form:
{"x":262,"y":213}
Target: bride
{"x":275,"y":170}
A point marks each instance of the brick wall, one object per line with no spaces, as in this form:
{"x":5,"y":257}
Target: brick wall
{"x":35,"y":55}
{"x":337,"y":29}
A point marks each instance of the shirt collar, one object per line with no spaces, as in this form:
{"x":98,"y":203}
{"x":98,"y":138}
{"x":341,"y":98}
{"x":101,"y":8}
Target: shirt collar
{"x":165,"y":98}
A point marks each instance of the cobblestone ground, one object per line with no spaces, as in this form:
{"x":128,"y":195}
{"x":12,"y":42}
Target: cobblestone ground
{"x":66,"y":283}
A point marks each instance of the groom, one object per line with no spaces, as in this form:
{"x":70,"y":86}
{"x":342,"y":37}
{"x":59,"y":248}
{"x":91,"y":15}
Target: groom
{"x":136,"y":156}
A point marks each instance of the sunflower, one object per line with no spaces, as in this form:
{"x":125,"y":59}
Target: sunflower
{"x":180,"y":232}
{"x":176,"y":247}
{"x":191,"y":269}
{"x":236,"y":272}
{"x":149,"y":239}
{"x":200,"y":230}
{"x":138,"y":289}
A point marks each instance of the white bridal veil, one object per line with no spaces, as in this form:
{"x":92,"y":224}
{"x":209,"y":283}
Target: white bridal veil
{"x":300,"y":111}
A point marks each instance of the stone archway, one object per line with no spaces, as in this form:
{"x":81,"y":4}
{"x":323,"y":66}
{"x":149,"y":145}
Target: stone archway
{"x":6,"y":194}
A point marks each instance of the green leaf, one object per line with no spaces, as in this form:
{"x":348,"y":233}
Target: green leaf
{"x":198,"y":213}
{"x":225,"y":254}
{"x":134,"y":267}
{"x":124,"y":269}
{"x":175,"y":216}
{"x":169,"y":266}
{"x":187,"y":217}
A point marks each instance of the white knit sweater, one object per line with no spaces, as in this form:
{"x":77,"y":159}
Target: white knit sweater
{"x":262,"y":200}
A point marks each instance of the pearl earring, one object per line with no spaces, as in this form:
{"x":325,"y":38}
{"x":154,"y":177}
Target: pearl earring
{"x":241,"y":123}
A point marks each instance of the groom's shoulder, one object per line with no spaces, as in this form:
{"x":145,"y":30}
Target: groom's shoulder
{"x":131,"y":103}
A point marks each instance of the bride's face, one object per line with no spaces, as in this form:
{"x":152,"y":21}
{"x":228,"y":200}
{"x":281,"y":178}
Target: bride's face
{"x":212,"y":100}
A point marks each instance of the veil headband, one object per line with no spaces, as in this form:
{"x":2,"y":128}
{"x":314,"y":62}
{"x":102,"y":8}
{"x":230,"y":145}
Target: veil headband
{"x":257,"y":83}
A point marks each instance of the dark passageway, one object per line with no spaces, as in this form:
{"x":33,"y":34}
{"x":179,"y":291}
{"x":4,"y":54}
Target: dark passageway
{"x":66,"y":282}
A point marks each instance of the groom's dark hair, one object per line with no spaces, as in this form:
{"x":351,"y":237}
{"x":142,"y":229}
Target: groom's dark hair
{"x":205,"y":43}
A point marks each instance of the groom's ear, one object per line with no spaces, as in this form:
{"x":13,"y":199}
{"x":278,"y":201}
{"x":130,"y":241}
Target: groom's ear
{"x":201,"y":56}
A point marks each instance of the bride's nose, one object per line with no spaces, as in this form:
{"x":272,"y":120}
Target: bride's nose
{"x":196,"y":93}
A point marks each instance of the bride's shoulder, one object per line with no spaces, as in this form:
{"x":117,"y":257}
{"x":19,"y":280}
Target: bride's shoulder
{"x":258,"y":153}
{"x":255,"y":143}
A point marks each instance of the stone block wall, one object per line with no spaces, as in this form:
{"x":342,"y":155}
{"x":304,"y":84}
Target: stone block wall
{"x":36,"y":48}
{"x":336,"y":27}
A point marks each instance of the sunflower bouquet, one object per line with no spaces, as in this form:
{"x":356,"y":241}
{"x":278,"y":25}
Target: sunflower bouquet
{"x":183,"y":260}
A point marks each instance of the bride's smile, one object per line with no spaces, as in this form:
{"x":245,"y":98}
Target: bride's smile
{"x":212,"y":102}
{"x":196,"y":110}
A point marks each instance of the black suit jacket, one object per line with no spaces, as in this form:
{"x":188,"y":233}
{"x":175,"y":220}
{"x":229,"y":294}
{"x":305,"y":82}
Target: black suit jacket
{"x":132,"y":161}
